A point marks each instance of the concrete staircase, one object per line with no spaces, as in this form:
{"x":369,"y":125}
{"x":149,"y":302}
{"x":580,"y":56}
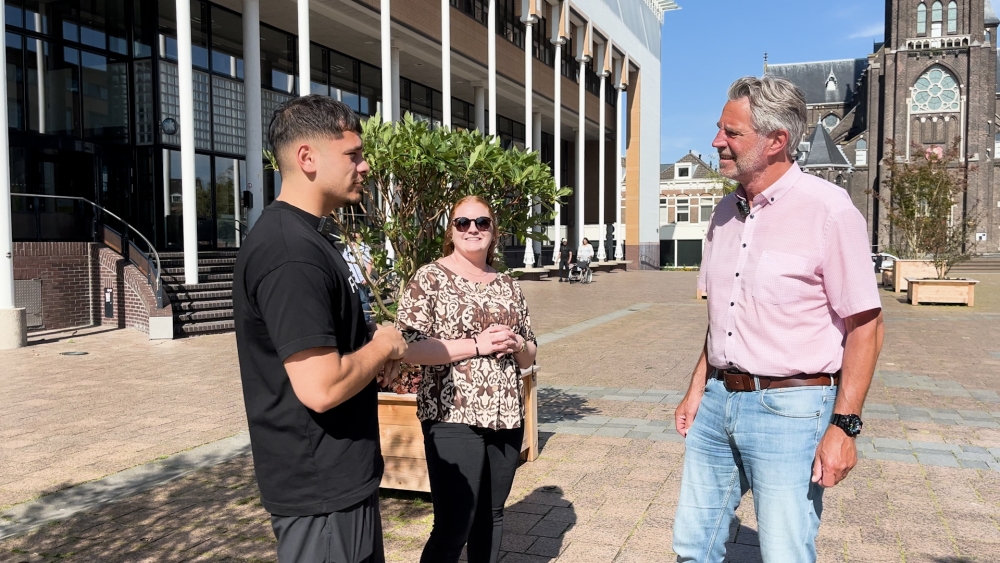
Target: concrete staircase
{"x":206,"y":307}
{"x":979,"y":264}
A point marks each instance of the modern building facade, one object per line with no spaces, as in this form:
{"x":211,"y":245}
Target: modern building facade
{"x":157,"y":110}
{"x":930,"y":84}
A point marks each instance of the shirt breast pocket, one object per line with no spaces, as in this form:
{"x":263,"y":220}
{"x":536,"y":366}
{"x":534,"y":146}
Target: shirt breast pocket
{"x":781,"y":278}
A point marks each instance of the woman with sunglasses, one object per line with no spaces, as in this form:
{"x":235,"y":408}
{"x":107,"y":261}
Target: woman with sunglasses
{"x":468,"y":326}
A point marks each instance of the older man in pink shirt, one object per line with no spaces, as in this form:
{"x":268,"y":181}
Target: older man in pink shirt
{"x":795,"y":329}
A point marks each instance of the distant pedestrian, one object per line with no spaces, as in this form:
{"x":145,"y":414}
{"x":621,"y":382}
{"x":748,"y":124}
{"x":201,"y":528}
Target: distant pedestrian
{"x":307,"y":359}
{"x":586,"y":251}
{"x":565,"y":259}
{"x":468,"y":326}
{"x":795,"y":329}
{"x":878,"y":262}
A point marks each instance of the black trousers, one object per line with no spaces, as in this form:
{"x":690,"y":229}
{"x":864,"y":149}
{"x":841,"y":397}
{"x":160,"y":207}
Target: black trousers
{"x":471,"y":472}
{"x":353,"y":535}
{"x":563,"y":269}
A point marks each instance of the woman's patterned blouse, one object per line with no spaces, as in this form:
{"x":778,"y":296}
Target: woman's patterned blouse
{"x":483,"y":391}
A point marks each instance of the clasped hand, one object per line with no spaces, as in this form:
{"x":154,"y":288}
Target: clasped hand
{"x":498,"y":340}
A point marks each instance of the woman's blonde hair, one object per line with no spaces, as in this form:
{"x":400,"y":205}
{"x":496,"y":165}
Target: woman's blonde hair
{"x":449,"y":243}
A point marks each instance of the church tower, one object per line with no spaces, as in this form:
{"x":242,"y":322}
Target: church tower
{"x":934,"y":80}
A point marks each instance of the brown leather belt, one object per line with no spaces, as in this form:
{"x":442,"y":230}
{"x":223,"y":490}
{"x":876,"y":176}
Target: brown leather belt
{"x":738,"y":381}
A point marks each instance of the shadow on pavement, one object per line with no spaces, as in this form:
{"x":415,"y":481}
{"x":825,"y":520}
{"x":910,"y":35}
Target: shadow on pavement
{"x":555,"y":406}
{"x":536,"y":526}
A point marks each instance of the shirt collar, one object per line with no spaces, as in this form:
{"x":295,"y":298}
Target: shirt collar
{"x":776,"y":190}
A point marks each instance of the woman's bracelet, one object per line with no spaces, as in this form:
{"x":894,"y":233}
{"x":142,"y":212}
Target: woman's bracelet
{"x":475,"y":341}
{"x":524,"y":345}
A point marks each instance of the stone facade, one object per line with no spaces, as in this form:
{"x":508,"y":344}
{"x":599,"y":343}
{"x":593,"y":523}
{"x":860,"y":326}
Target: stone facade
{"x":931,"y":83}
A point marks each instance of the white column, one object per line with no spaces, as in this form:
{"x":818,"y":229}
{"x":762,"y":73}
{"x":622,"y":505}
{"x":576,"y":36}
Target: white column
{"x":581,"y":151}
{"x":13,"y":322}
{"x":601,"y":156}
{"x":480,"y":108}
{"x":185,"y":75}
{"x":305,"y":67}
{"x":255,"y":125}
{"x":529,"y":127}
{"x":536,"y":143}
{"x":394,"y":54}
{"x":491,"y":43}
{"x":557,"y":146}
{"x":620,"y":176}
{"x":446,"y":63}
{"x":40,"y":65}
{"x":387,"y":94}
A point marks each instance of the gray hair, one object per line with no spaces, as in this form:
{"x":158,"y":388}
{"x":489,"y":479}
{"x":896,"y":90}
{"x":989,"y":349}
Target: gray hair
{"x":775,"y":104}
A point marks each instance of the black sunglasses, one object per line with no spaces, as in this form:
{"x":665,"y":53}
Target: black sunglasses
{"x":462,"y":223}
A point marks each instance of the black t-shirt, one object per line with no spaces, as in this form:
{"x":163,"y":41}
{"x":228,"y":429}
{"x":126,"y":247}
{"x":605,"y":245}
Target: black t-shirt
{"x":564,"y":252}
{"x":292,"y":291}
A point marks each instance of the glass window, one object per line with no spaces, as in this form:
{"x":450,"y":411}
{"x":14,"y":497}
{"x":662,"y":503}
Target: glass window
{"x":683,"y":170}
{"x":228,"y":115}
{"x":143,"y":28}
{"x":319,"y":64}
{"x":952,"y":17}
{"x":102,"y":25}
{"x":227,"y":43}
{"x":277,"y":60}
{"x":105,"y":98}
{"x":344,"y":80}
{"x":371,"y":89}
{"x":200,"y":25}
{"x":145,"y":116}
{"x":167,"y":29}
{"x":935,"y":91}
{"x":936,"y":19}
{"x":15,"y":82}
{"x":53,"y":79}
{"x":682,"y":211}
{"x":706,"y":213}
{"x":230,"y":173}
{"x":830,"y":121}
{"x":203,"y":197}
{"x":421,"y":98}
{"x":13,"y":15}
{"x":921,"y":19}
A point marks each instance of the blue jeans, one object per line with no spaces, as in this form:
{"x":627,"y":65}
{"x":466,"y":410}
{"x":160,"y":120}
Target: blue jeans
{"x":764,"y":442}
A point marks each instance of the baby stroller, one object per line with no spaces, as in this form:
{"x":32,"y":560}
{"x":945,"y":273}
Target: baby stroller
{"x":581,"y":272}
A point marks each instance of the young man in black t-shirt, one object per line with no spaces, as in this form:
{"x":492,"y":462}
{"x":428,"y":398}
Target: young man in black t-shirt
{"x":307,"y":359}
{"x":565,"y":259}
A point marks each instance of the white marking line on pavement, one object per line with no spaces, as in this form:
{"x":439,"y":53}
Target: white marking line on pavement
{"x":25,"y":517}
{"x":570,"y":330}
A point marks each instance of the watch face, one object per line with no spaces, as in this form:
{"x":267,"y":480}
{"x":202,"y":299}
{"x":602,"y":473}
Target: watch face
{"x":850,"y":423}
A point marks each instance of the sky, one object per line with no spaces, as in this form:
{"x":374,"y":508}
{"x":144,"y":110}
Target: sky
{"x":708,"y":44}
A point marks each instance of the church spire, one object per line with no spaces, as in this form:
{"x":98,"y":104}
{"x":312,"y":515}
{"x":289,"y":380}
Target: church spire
{"x":765,"y":62}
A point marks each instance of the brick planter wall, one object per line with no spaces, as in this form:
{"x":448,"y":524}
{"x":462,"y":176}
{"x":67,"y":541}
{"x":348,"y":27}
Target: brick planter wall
{"x":130,"y":292}
{"x":69,"y":280}
{"x":74,"y":278}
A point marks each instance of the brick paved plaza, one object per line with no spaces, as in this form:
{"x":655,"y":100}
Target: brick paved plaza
{"x":616,"y":356}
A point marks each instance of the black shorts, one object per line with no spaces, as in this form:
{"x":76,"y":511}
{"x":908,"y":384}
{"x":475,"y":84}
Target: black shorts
{"x":352,"y":535}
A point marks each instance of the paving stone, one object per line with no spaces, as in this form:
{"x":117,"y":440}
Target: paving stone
{"x":631,"y":421}
{"x":895,"y":451}
{"x":934,"y":446}
{"x":973,"y":464}
{"x":613,"y":432}
{"x":979,"y":423}
{"x":649,"y":398}
{"x":888,"y":456}
{"x":595,"y":419}
{"x":625,"y":398}
{"x":975,"y":415}
{"x":575,"y":430}
{"x":638,"y":435}
{"x":984,"y":457}
{"x":937,"y":459}
{"x":974,"y":449}
{"x":891,"y":443}
{"x":630,"y":392}
{"x":881,"y":415}
{"x":667,"y":437}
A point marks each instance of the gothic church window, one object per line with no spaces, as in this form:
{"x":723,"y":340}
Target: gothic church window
{"x":830,"y":122}
{"x":936,"y":19}
{"x":922,"y":19}
{"x":861,"y":153}
{"x":935,"y":91}
{"x":952,"y":17}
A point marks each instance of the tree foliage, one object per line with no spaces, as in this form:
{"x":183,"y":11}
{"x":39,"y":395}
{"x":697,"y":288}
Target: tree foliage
{"x":925,"y":199}
{"x":417,"y":174}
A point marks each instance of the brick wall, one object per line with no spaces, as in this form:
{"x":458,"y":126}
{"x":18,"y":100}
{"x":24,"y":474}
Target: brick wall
{"x":132,"y":298}
{"x":74,"y":278}
{"x":68,"y":279}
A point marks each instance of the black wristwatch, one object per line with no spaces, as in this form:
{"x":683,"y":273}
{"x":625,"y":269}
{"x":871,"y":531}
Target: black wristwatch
{"x":850,"y":423}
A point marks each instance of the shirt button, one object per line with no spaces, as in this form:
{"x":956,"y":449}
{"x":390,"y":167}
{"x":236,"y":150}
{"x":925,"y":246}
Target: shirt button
{"x":730,"y":334}
{"x":730,"y":363}
{"x":772,"y":200}
{"x":737,"y":274}
{"x":731,"y":303}
{"x":744,"y":245}
{"x":751,"y":216}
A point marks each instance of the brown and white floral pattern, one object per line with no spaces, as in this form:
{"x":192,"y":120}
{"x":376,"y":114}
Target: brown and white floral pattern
{"x":483,"y":391}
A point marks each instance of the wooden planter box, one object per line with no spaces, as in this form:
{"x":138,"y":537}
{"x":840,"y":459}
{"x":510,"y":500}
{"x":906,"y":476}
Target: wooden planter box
{"x":902,"y":269}
{"x":960,"y":291}
{"x":403,"y":441}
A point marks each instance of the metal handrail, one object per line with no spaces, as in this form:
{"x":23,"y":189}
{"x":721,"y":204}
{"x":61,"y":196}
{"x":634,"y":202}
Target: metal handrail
{"x":157,"y":286}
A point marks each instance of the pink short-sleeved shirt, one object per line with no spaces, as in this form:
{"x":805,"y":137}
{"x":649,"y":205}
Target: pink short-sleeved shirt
{"x":781,"y":280}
